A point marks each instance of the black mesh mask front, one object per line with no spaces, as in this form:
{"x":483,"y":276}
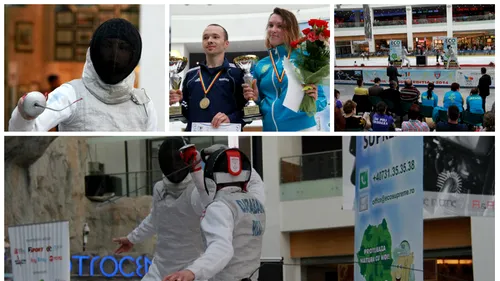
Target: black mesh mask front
{"x":115,"y":50}
{"x":171,"y":163}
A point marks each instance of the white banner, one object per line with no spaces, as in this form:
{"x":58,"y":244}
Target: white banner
{"x":419,"y":77}
{"x":40,"y":251}
{"x":468,"y":78}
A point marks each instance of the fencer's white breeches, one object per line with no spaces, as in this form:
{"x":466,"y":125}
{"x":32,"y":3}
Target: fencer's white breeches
{"x":154,"y":274}
{"x":403,"y":59}
{"x":450,"y":59}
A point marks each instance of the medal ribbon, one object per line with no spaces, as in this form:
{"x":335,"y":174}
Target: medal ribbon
{"x":276,"y":69}
{"x":211,"y":84}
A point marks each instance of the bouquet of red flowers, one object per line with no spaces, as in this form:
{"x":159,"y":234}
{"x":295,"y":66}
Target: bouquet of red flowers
{"x":313,"y":59}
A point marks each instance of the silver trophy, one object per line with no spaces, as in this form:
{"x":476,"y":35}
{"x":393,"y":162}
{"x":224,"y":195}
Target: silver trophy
{"x":177,"y":65}
{"x":246,"y":63}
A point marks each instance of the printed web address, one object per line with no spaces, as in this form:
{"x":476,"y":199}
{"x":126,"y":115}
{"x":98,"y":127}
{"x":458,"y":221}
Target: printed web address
{"x":385,"y":198}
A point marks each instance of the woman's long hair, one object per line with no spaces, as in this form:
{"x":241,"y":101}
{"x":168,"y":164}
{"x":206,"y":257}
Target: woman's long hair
{"x":430,"y":87}
{"x":290,"y":27}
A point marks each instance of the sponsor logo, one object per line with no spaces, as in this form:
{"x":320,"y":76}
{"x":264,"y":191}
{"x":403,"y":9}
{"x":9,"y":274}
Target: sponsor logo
{"x":18,"y":251}
{"x":35,"y":250}
{"x":19,"y":261}
{"x":55,"y":258}
{"x":38,"y":259}
{"x":53,"y":248}
{"x":450,"y":41}
{"x":449,"y":203}
{"x":480,"y":204}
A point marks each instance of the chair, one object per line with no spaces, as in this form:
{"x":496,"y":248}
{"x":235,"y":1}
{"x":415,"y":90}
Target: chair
{"x":405,"y":107}
{"x":426,"y":110}
{"x":363,"y":103}
{"x":374,"y":100}
{"x":473,"y":119}
{"x":390,"y":104}
{"x":443,"y":115}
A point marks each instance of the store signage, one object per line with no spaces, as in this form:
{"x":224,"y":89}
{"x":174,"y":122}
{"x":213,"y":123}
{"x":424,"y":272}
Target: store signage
{"x":113,"y":267}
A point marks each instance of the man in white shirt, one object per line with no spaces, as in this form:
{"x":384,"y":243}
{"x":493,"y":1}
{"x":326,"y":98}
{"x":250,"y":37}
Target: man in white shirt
{"x":178,"y":203}
{"x":233,"y":224}
{"x":104,"y":99}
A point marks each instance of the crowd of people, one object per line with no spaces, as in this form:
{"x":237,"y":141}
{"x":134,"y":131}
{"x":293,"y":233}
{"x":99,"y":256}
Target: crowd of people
{"x":406,"y":109}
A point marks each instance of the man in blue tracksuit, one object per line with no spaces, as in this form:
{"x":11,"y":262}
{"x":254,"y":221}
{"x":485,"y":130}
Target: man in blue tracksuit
{"x":212,"y":92}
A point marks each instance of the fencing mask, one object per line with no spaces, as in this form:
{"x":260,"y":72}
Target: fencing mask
{"x":227,"y":167}
{"x":115,"y":50}
{"x":171,"y":163}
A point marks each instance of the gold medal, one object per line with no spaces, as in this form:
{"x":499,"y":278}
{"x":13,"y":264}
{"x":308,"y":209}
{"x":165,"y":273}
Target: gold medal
{"x":204,"y":103}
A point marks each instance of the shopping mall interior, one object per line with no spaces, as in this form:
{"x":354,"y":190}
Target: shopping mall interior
{"x":418,"y":26}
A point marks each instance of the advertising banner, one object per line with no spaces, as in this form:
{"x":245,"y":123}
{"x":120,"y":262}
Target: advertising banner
{"x":459,"y":175}
{"x":388,"y":229}
{"x":395,"y":50}
{"x":468,"y":78}
{"x":420,"y":77}
{"x":447,"y":41}
{"x":40,"y":251}
{"x":347,"y":76}
{"x":367,"y":20}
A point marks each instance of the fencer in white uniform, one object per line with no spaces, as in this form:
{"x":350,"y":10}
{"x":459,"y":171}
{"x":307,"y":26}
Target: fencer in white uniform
{"x":404,"y":57}
{"x":104,"y":99}
{"x":233,"y":225}
{"x":176,"y":211}
{"x":451,"y":56}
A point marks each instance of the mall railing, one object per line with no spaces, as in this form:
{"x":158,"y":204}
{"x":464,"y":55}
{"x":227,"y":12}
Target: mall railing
{"x":129,"y":184}
{"x":428,"y":53}
{"x":389,"y":22}
{"x":312,"y":166}
{"x":311,"y":176}
{"x":348,"y":24}
{"x":429,"y":20}
{"x":474,"y":18}
{"x":375,"y":23}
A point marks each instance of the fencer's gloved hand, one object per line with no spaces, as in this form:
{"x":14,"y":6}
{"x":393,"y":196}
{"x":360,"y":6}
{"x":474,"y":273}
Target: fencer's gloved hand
{"x":26,"y":105}
{"x":125,"y":245}
{"x":191,"y":156}
{"x":206,"y":152}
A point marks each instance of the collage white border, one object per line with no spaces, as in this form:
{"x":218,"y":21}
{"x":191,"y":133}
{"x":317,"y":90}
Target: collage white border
{"x":231,"y":134}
